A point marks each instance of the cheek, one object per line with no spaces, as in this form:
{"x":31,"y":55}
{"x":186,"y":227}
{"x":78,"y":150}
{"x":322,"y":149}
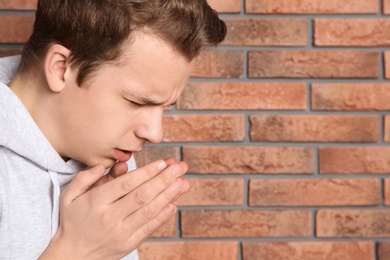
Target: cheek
{"x":115,"y":126}
{"x":98,"y":125}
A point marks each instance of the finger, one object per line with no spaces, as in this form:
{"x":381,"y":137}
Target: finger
{"x":170,"y":161}
{"x":151,"y":210}
{"x":81,"y":183}
{"x":185,"y":189}
{"x":122,"y":185}
{"x":152,"y":226}
{"x":117,"y":170}
{"x":186,"y":185}
{"x":148,"y":191}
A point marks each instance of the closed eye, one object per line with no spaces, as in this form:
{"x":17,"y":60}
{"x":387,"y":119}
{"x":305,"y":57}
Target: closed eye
{"x":136,"y":104}
{"x":149,"y":103}
{"x":133,"y":103}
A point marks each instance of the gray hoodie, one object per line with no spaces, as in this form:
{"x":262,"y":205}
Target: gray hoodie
{"x":32,"y":175}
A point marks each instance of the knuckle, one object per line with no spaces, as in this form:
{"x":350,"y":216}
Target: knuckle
{"x":148,"y":229}
{"x":141,"y":197}
{"x":126,"y":186}
{"x":176,"y":169}
{"x":105,"y":218}
{"x":148,"y":213}
{"x":150,"y":173}
{"x":168,"y":196}
{"x":166,"y":180}
{"x":109,"y":220}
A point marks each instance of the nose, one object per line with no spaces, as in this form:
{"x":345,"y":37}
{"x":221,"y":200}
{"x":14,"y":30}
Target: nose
{"x":151,"y":127}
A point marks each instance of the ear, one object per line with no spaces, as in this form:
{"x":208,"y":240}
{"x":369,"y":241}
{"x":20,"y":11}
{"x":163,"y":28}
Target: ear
{"x":55,"y":66}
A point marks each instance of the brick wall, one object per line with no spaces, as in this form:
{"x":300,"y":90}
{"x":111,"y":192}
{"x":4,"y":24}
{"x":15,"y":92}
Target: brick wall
{"x":286,"y":131}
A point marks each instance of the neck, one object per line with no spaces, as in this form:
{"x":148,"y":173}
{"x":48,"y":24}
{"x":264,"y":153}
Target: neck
{"x":40,"y":102}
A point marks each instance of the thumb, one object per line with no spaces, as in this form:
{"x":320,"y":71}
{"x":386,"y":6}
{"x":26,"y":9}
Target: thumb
{"x":81,"y":183}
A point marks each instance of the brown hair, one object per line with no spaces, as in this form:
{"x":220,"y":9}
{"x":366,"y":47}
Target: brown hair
{"x":94,"y":30}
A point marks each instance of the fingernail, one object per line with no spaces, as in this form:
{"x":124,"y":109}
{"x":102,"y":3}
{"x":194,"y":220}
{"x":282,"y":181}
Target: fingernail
{"x":162,"y":165}
{"x":177,"y":185}
{"x":97,"y":168}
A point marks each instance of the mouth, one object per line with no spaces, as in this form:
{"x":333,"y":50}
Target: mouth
{"x":122,"y":155}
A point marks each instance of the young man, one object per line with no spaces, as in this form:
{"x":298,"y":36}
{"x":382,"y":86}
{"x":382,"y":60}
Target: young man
{"x":90,"y":90}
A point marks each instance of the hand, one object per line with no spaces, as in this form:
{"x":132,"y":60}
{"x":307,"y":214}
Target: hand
{"x":118,"y":169}
{"x":110,"y":220}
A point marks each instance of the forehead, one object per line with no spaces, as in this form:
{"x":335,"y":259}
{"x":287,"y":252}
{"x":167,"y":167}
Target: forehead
{"x":153,"y":68}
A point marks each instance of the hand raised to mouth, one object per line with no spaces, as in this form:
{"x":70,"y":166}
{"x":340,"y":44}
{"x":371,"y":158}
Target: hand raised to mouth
{"x":113,"y":217}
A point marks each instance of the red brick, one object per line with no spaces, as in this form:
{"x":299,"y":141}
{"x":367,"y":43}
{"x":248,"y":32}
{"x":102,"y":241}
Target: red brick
{"x":351,"y":32}
{"x":10,"y":51}
{"x":219,"y":64}
{"x":387,"y":192}
{"x":243,"y":95}
{"x":308,"y":250}
{"x":383,"y":250}
{"x":314,"y":128}
{"x":213,"y":191}
{"x":226,"y":6}
{"x":18,"y":4}
{"x":246,"y":223}
{"x":15,"y":29}
{"x":151,"y":154}
{"x":266,"y":32}
{"x":386,"y":6}
{"x":351,"y":96}
{"x":226,"y":250}
{"x":354,"y":160}
{"x":203,"y":128}
{"x":314,"y":192}
{"x":353,"y":223}
{"x":386,"y":134}
{"x":312,"y":6}
{"x":387,"y":64}
{"x":249,"y":160}
{"x":313,"y":64}
{"x":167,"y":230}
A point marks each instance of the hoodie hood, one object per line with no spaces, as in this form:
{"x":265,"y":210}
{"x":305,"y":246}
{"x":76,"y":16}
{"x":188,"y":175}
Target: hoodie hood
{"x":18,"y":131}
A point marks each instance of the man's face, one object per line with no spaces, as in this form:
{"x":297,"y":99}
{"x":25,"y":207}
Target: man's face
{"x":121,"y":107}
